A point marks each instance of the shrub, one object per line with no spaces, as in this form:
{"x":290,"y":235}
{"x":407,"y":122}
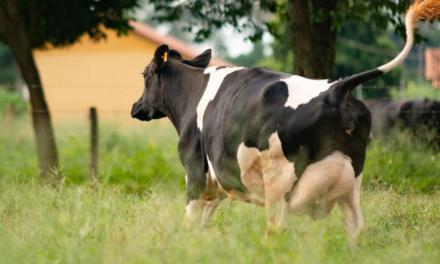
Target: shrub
{"x":13,"y":101}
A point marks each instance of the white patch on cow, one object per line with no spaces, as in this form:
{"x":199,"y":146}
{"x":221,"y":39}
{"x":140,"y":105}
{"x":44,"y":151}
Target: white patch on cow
{"x":216,"y":77}
{"x":302,"y":90}
{"x":211,"y":170}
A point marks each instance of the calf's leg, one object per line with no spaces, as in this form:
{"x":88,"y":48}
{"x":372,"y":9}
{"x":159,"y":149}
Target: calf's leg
{"x":278,"y":178}
{"x":322,"y":184}
{"x":208,"y":209}
{"x":353,"y":218}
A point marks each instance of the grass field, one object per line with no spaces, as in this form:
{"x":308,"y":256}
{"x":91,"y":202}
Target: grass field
{"x":417,"y":90}
{"x":136,"y":215}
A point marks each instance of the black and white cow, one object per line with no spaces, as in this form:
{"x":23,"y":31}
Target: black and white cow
{"x":270,"y":138}
{"x":416,"y":116}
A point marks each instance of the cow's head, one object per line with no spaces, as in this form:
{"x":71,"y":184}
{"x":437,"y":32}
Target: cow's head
{"x":151,"y":104}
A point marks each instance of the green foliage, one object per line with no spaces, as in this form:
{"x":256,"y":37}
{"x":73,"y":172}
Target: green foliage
{"x":417,"y":90}
{"x":202,"y":17}
{"x":403,"y":162}
{"x":362,"y":48}
{"x":63,"y":22}
{"x":11,"y":101}
{"x":281,"y":58}
{"x":358,"y":48}
{"x":250,"y":59}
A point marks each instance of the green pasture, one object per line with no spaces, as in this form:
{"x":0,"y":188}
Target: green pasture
{"x":137,"y":213}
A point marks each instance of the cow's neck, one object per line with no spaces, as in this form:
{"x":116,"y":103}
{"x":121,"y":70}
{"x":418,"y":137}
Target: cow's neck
{"x":185,"y":87}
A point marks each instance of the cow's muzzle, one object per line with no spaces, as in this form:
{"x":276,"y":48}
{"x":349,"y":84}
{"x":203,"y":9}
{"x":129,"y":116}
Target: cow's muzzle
{"x":138,"y":112}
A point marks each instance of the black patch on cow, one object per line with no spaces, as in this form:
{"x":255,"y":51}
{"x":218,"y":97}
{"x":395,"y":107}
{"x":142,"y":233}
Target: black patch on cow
{"x":420,"y":116}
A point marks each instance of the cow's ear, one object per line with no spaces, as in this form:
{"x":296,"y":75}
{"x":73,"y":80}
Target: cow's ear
{"x":174,"y":54}
{"x":202,"y":60}
{"x":160,"y":57}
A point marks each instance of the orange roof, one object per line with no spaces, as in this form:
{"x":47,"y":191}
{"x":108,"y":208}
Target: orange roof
{"x":186,"y":50}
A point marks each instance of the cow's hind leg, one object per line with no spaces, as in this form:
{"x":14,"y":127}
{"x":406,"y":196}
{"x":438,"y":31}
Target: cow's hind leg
{"x":211,"y":197}
{"x":278,"y":177}
{"x":353,"y":218}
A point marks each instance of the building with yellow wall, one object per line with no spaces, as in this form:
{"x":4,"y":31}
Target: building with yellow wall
{"x":105,"y":74}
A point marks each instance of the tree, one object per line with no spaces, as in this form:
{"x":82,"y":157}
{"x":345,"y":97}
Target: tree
{"x":29,"y":24}
{"x":370,"y":46}
{"x":312,"y":24}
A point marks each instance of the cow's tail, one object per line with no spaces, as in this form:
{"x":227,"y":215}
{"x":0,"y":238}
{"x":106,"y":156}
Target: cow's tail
{"x":428,"y":10}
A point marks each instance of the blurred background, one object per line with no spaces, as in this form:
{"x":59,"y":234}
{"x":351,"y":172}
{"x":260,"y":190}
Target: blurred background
{"x":70,"y":71}
{"x":78,"y":75}
{"x":59,"y":60}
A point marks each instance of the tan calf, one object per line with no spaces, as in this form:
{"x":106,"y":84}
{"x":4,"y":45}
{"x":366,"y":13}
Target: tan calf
{"x":269,"y":176}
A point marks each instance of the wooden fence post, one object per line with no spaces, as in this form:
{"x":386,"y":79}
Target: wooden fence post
{"x":94,"y":142}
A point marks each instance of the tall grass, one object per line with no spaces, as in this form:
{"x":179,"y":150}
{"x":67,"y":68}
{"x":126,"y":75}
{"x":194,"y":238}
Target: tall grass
{"x":75,"y":224}
{"x":417,"y":89}
{"x":138,"y":157}
{"x":136,"y":216}
{"x":134,"y":158}
{"x":404,"y":163}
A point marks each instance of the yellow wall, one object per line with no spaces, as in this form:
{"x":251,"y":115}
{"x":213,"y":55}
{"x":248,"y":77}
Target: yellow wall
{"x":106,"y":74}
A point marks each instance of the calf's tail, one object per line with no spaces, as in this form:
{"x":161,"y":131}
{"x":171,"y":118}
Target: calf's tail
{"x":428,"y":10}
{"x":420,"y":10}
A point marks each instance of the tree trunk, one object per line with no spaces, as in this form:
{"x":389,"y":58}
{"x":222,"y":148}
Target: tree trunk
{"x":312,"y":40}
{"x":41,"y":119}
{"x":20,"y":45}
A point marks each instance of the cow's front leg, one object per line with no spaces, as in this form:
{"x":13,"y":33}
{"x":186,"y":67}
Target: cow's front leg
{"x":195,"y":186}
{"x":201,"y":188}
{"x":211,"y":198}
{"x":194,"y":211}
{"x":202,"y":203}
{"x":199,"y":211}
{"x":278,"y":177}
